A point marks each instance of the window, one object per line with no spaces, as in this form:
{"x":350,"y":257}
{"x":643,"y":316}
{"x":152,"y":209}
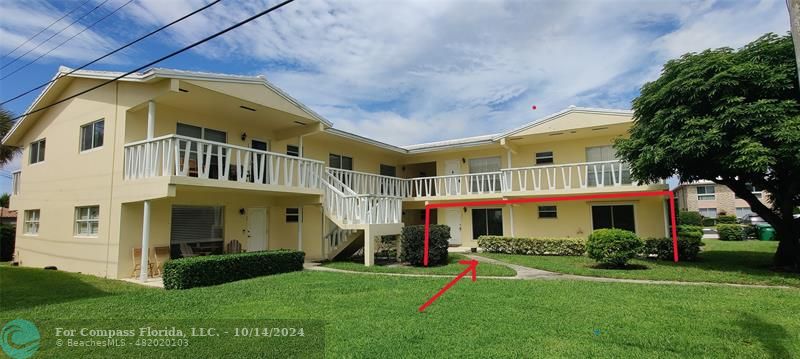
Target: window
{"x":548,"y":212}
{"x":341,"y":162}
{"x":87,"y":220}
{"x":483,"y":165}
{"x":614,"y":216}
{"x":487,"y":222}
{"x":387,"y":170}
{"x":602,"y":172}
{"x":196,"y":230}
{"x":292,"y":215}
{"x":708,"y":212}
{"x":293,"y":150}
{"x":706,"y":193}
{"x":544,"y":158}
{"x":742,"y":211}
{"x":37,"y":151}
{"x":756,"y":192}
{"x":92,"y":135}
{"x":205,"y":134}
{"x":31,"y":221}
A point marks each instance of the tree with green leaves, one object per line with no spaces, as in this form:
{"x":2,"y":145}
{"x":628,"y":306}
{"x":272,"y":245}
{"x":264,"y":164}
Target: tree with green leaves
{"x":7,"y":153}
{"x":4,"y":200}
{"x":732,"y":117}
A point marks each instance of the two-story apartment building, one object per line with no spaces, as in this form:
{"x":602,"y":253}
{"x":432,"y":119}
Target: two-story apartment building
{"x":204,"y":163}
{"x":711,"y":199}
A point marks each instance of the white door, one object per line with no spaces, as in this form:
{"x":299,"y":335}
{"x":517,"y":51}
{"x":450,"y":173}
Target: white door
{"x":256,"y":229}
{"x":452,"y":167}
{"x":452,"y":218}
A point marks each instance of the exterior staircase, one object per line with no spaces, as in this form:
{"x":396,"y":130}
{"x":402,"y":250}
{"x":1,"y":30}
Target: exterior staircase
{"x":358,"y":218}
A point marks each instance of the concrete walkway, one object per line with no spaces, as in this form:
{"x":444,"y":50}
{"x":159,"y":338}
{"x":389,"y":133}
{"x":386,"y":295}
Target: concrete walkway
{"x":527,"y":273}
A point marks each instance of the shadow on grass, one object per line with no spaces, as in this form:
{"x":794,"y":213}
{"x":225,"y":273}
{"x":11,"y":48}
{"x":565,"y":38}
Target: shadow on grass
{"x":24,"y":288}
{"x":772,"y":336}
{"x":623,"y":268}
{"x":748,"y":262}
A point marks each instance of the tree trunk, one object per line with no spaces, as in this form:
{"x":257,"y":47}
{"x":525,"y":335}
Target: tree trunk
{"x":787,"y":257}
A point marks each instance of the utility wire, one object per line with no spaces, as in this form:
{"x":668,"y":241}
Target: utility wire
{"x":54,"y":35}
{"x":46,"y":28}
{"x":65,"y":41}
{"x":174,"y":53}
{"x":184,"y":17}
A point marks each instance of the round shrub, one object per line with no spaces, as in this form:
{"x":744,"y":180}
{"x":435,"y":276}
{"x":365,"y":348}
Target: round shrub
{"x":690,"y":218}
{"x":730,"y":232}
{"x":613,"y":247}
{"x":413,"y":244}
{"x":726,"y":219}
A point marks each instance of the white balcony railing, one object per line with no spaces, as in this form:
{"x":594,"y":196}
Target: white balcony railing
{"x":15,"y":177}
{"x":347,"y":207}
{"x":526,"y":179}
{"x":175,"y":155}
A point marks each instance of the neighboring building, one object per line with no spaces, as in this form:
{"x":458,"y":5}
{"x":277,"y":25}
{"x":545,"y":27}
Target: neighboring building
{"x":711,"y":199}
{"x":8,"y":216}
{"x":209,"y":161}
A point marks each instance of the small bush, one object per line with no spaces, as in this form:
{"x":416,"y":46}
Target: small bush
{"x":190,"y":272}
{"x":688,"y":248}
{"x":8,"y":235}
{"x":709,"y":222}
{"x":533,"y":246}
{"x":413,"y":244}
{"x":730,"y":232}
{"x":690,"y":218}
{"x":726,"y":219}
{"x":613,"y":247}
{"x":694,"y":233}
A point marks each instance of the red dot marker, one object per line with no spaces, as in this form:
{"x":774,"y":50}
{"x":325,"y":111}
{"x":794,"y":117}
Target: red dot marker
{"x":533,"y":107}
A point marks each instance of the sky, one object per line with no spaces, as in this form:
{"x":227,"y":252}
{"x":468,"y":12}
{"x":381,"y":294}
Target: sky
{"x":402,"y":72}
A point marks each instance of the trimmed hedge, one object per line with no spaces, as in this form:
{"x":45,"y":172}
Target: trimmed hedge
{"x":190,"y":272}
{"x":694,"y":233}
{"x":688,"y":248}
{"x":613,"y":247}
{"x":726,"y":219}
{"x":690,"y":218}
{"x":709,"y":222}
{"x":8,"y":235}
{"x":730,"y":232}
{"x":413,"y":244}
{"x":533,"y":246}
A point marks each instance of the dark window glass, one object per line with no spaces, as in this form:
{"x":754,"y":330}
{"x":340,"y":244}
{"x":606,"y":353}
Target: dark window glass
{"x":259,"y":145}
{"x":37,"y":151}
{"x":189,"y":130}
{"x":614,"y":216}
{"x":292,"y":215}
{"x":347,"y":163}
{"x":99,"y":128}
{"x":86,"y":137}
{"x":387,"y":170}
{"x":487,"y":221}
{"x":544,"y":158}
{"x":548,"y":212}
{"x":334,"y":161}
{"x":293,"y":150}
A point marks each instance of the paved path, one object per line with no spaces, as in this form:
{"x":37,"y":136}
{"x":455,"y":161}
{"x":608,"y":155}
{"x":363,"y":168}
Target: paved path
{"x":527,"y":273}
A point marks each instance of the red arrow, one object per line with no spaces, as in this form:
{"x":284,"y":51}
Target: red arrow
{"x":473,"y":267}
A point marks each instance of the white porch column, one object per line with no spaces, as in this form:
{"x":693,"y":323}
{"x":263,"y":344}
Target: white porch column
{"x":151,"y":119}
{"x":369,"y":248}
{"x":511,"y":218}
{"x":143,"y":272}
{"x":300,"y":228}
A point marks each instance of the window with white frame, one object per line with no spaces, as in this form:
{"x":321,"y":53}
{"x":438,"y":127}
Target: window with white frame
{"x":87,"y":220}
{"x":544,"y":158}
{"x":31,"y":221}
{"x":742,"y":211}
{"x":293,"y":150}
{"x":292,"y":215}
{"x":37,"y":151}
{"x":708,"y":212}
{"x":706,"y":193}
{"x":92,"y":135}
{"x":548,"y":212}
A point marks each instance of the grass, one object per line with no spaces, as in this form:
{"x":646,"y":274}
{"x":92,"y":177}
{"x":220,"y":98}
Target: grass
{"x":452,"y":268}
{"x":744,"y":262}
{"x":376,"y":316}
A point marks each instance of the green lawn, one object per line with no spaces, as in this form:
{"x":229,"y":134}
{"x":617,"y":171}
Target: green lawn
{"x":376,"y":316}
{"x":453,"y":267}
{"x":745,"y":262}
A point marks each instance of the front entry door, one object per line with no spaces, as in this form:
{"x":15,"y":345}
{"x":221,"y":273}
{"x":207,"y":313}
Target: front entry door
{"x":487,"y":221}
{"x":256,"y":229}
{"x":452,"y":218}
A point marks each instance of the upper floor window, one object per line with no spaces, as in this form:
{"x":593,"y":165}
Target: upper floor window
{"x":387,"y":170}
{"x":341,"y":162}
{"x":706,"y":192}
{"x":92,"y":135}
{"x":544,"y":158}
{"x":293,"y":150}
{"x":37,"y":151}
{"x":87,"y":221}
{"x":31,"y":221}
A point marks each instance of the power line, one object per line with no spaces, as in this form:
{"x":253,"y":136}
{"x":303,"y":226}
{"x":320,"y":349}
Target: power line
{"x":65,"y":41}
{"x":46,"y":28}
{"x":54,"y":35}
{"x":184,"y":17}
{"x":174,"y":53}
